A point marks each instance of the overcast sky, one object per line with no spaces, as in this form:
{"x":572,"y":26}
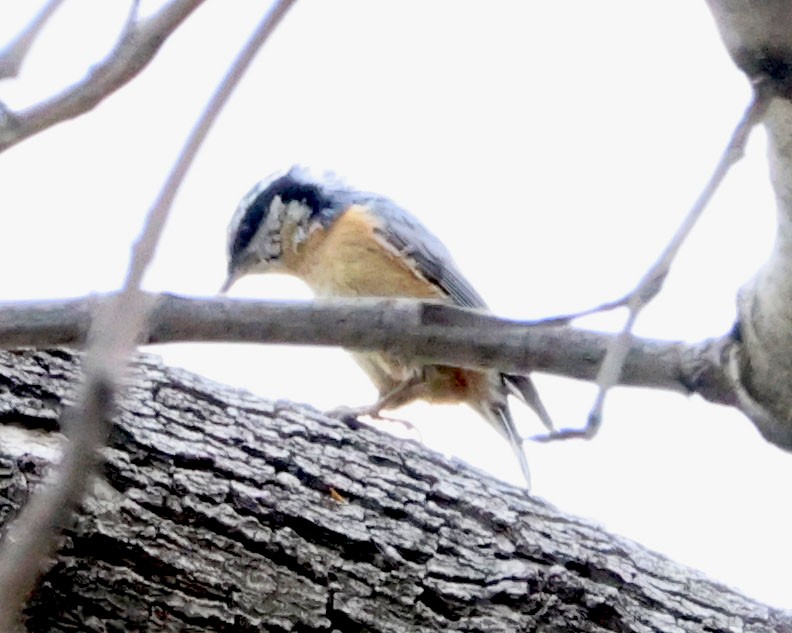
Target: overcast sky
{"x":554,"y":147}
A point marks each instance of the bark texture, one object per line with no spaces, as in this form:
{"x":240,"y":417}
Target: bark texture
{"x":221,"y":511}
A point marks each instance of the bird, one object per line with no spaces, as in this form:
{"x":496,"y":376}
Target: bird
{"x":343,"y":242}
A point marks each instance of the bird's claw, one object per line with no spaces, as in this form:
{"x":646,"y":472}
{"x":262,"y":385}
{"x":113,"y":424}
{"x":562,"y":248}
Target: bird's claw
{"x":352,"y":414}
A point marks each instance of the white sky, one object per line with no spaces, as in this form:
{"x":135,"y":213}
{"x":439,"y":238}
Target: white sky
{"x":554,"y":147}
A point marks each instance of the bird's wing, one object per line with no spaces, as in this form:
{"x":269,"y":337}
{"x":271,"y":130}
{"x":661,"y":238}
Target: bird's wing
{"x":403,"y":232}
{"x":523,"y":388}
{"x":500,"y":417}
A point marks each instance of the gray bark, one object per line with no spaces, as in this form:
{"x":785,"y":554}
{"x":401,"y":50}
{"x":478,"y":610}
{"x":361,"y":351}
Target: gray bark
{"x":220,"y":511}
{"x":758,"y":36}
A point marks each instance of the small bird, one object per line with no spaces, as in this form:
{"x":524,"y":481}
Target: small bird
{"x":348,"y":243}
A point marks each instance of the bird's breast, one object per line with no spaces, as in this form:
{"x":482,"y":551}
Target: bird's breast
{"x":351,"y":259}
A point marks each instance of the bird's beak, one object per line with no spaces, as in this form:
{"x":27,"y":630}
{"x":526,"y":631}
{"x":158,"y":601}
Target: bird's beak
{"x":230,"y":281}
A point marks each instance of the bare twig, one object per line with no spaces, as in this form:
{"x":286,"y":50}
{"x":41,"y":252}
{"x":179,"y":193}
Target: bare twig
{"x":112,"y":336}
{"x":652,"y":282}
{"x":13,"y":55}
{"x":136,"y":47}
{"x":431,"y":332}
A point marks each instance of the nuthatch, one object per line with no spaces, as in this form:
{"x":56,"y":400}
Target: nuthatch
{"x":348,"y":243}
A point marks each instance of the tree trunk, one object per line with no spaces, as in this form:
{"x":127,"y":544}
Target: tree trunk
{"x":220,"y":511}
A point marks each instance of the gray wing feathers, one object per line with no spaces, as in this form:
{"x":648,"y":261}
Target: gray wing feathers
{"x":407,"y":235}
{"x":501,"y":419}
{"x":523,"y":388}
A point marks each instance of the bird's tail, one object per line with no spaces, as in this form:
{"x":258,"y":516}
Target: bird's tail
{"x":500,"y":417}
{"x":523,"y":388}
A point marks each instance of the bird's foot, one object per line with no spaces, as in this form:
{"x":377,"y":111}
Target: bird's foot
{"x":351,"y":413}
{"x":373,"y":412}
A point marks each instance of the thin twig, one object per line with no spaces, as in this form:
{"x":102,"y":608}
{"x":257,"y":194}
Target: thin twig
{"x":32,"y":537}
{"x":13,"y":56}
{"x":139,"y":43}
{"x":652,"y":282}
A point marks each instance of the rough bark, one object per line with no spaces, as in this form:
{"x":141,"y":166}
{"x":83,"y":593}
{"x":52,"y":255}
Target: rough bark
{"x":221,"y":511}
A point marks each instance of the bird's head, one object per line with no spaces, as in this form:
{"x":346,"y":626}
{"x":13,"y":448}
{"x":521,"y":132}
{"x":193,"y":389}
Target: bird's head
{"x":273,"y":221}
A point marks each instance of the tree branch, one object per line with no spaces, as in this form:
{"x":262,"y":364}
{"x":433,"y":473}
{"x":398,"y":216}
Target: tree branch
{"x":221,"y":511}
{"x":758,"y":36}
{"x":13,"y":55}
{"x":430,"y":332}
{"x":136,"y":47}
{"x":652,"y":282}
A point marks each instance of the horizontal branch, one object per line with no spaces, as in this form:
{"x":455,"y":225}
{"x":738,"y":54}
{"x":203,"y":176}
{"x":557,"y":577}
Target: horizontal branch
{"x":430,"y":332}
